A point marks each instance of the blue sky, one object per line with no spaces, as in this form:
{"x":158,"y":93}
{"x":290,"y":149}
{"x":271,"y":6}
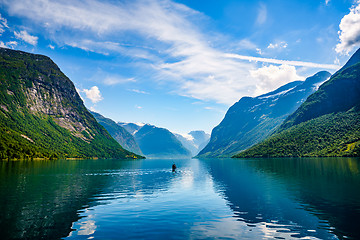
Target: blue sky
{"x":181,"y":64}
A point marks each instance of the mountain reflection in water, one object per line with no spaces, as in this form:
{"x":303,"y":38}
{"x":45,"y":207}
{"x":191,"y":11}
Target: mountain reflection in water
{"x":208,"y":198}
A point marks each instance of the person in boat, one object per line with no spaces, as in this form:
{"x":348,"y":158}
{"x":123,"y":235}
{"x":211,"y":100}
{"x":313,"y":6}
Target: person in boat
{"x":173,"y":167}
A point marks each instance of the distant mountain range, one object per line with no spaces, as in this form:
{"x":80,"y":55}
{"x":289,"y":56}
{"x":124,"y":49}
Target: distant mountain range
{"x":120,"y":134}
{"x":326,"y":124}
{"x":194,"y":141}
{"x":42,"y":115}
{"x":251,"y":120}
{"x":167,"y":141}
{"x":157,"y":142}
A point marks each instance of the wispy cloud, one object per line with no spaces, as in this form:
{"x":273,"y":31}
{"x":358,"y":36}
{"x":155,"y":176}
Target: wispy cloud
{"x":138,"y":91}
{"x":262,"y":14}
{"x":349,"y":34}
{"x":10,"y":44}
{"x":114,"y":80}
{"x":3,"y":25}
{"x":26,"y":37}
{"x":279,"y":45}
{"x":286,"y":62}
{"x":180,"y":55}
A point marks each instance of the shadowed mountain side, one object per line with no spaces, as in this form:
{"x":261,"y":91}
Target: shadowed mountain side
{"x":251,"y":120}
{"x":120,"y":134}
{"x":157,"y":142}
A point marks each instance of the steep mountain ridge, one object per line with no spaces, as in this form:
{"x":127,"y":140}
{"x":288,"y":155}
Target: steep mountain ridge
{"x":251,"y":120}
{"x":120,"y":134}
{"x":326,"y":124}
{"x":42,"y":115}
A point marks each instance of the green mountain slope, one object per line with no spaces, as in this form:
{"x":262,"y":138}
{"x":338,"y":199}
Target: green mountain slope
{"x":326,"y":124}
{"x":120,"y":134}
{"x":42,"y":115}
{"x":251,"y":120}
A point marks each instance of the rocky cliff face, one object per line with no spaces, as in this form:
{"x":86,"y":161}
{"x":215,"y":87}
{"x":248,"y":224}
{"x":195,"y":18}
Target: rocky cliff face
{"x":251,"y":120}
{"x":42,"y":115}
{"x":326,"y":124}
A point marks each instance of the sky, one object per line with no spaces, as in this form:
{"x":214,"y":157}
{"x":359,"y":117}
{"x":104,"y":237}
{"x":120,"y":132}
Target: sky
{"x":181,"y":64}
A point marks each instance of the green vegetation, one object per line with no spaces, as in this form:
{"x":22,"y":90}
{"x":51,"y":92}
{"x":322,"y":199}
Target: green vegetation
{"x":329,"y":135}
{"x":251,"y":120}
{"x":326,"y":124}
{"x":42,"y":116}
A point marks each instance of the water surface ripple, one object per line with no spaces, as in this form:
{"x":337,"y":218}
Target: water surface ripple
{"x":312,"y":198}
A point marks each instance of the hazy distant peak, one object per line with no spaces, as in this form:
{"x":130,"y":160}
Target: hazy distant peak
{"x":186,"y":136}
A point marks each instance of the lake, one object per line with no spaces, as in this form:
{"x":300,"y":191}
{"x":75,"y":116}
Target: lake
{"x":308,"y":198}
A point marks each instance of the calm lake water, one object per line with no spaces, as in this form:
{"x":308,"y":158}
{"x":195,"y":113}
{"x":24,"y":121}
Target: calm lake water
{"x":307,"y":198}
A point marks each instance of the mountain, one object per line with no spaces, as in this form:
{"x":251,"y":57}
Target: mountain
{"x":157,"y":142}
{"x":131,"y":127}
{"x":194,"y":141}
{"x":120,"y":134}
{"x":42,"y":115}
{"x":326,"y":124}
{"x":251,"y":120}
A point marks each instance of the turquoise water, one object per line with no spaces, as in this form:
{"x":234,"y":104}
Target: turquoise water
{"x":308,"y":198}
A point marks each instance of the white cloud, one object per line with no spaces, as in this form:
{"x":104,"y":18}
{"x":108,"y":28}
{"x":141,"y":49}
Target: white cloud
{"x":327,"y":2}
{"x":52,"y":47}
{"x":278,"y":61}
{"x":3,"y":25}
{"x":279,"y":45}
{"x":138,"y":107}
{"x":26,"y":37}
{"x":181,"y":54}
{"x":114,"y":80}
{"x":262,"y":14}
{"x":138,"y":91}
{"x":187,"y":136}
{"x":10,"y":44}
{"x":349,"y":34}
{"x":93,"y":94}
{"x":246,"y":44}
{"x":258,"y":50}
{"x":272,"y":77}
{"x":93,"y":109}
{"x":2,"y":44}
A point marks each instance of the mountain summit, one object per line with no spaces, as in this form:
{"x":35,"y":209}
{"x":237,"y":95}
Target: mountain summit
{"x":326,"y":124}
{"x":251,"y":120}
{"x":42,"y":115}
{"x":157,"y":142}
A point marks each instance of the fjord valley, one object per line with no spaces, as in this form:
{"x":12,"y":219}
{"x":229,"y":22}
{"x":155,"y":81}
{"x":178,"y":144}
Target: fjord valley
{"x":178,"y":119}
{"x":42,"y":115}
